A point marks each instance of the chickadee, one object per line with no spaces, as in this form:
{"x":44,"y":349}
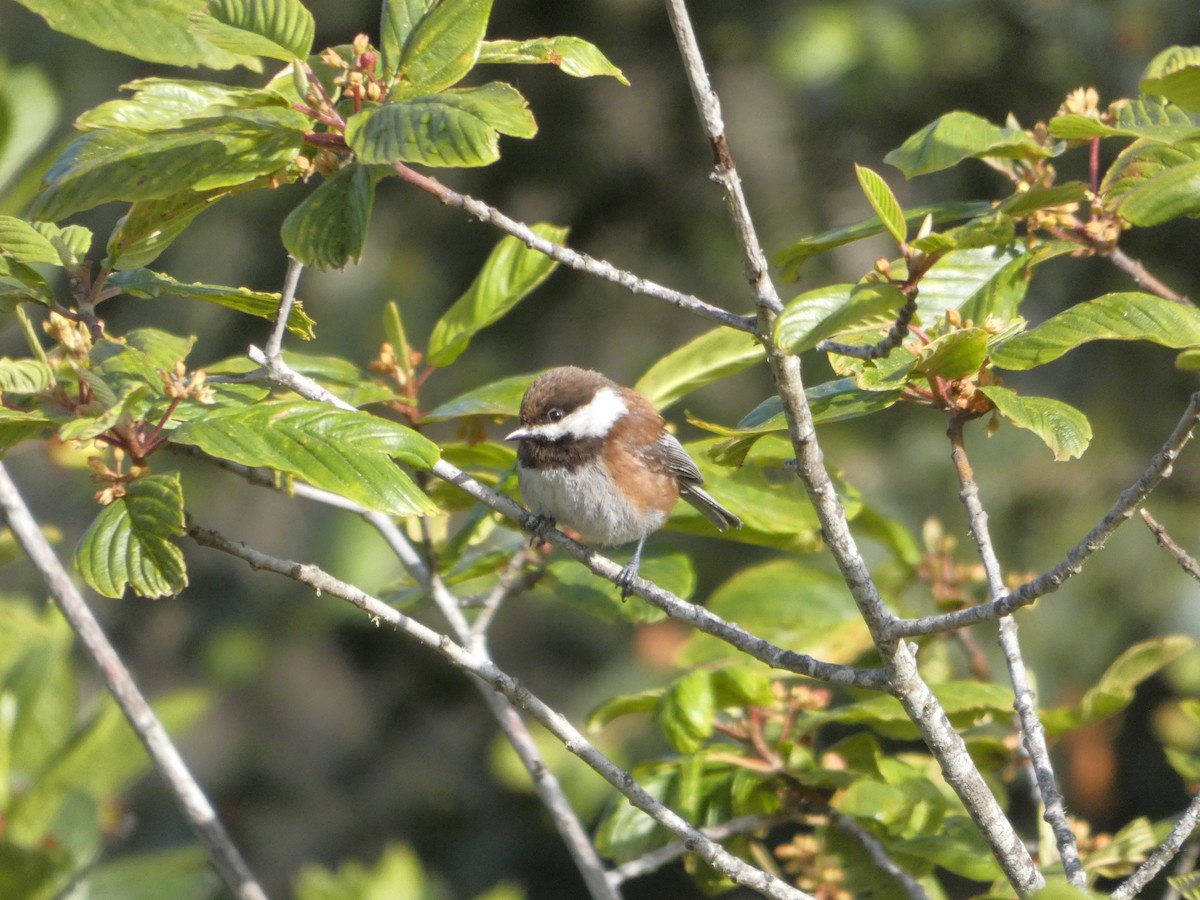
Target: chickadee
{"x":595,"y":456}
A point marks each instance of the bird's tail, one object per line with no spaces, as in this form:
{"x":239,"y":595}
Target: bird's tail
{"x":710,"y":508}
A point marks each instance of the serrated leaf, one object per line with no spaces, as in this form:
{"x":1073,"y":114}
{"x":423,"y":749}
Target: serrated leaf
{"x":151,"y":226}
{"x":328,"y":228}
{"x":883,"y":201}
{"x":460,"y":127}
{"x":686,"y":711}
{"x":149,"y":285}
{"x":714,"y":355}
{"x":348,"y":453}
{"x":976,"y":282}
{"x":398,"y":18}
{"x":161,"y":103}
{"x":24,"y":243}
{"x":109,"y":164}
{"x":129,"y":543}
{"x":822,"y":313}
{"x":444,"y":45}
{"x":954,"y":355}
{"x":501,"y":399}
{"x":72,"y":242}
{"x":1172,"y":193}
{"x":24,"y":376}
{"x":572,"y":55}
{"x":1175,"y":74}
{"x":277,"y":29}
{"x":1063,"y":428}
{"x":1037,"y":198}
{"x":956,"y":136}
{"x":511,"y":272}
{"x":1146,"y":117}
{"x":1115,"y":317}
{"x":792,"y":258}
{"x":155,"y":32}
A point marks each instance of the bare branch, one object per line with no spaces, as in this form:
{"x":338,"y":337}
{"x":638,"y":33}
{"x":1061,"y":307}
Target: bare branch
{"x":189,"y":796}
{"x":1156,"y":472}
{"x":486,"y":671}
{"x":1158,"y":860}
{"x":1053,"y":809}
{"x":893,"y":339}
{"x":878,"y":854}
{"x":287,"y":297}
{"x":1186,"y":562}
{"x":573,"y":258}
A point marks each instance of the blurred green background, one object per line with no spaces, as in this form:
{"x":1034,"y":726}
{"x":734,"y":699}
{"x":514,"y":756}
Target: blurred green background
{"x":331,"y":737}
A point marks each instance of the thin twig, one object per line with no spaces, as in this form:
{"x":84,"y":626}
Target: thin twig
{"x":573,"y":258}
{"x":904,"y":679}
{"x":651,"y":862}
{"x":878,"y":854}
{"x":1186,"y":562}
{"x":290,"y":281}
{"x":1158,"y":860}
{"x":1142,"y":276}
{"x":1053,"y":809}
{"x":710,"y":852}
{"x":1156,"y":472}
{"x":189,"y":796}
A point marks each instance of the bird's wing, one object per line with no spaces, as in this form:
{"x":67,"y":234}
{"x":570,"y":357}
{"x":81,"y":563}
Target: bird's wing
{"x":675,"y":459}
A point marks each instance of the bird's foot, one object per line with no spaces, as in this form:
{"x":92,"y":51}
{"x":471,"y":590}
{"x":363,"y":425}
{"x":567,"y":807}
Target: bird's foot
{"x":626,"y":577}
{"x":539,"y":528}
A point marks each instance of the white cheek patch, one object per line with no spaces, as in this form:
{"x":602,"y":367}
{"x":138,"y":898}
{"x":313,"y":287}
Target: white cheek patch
{"x":593,"y":419}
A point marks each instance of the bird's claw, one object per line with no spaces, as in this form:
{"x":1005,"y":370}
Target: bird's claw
{"x":539,"y":528}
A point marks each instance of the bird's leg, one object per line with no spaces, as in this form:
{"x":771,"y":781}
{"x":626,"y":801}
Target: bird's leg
{"x":626,"y":576}
{"x":539,"y":527}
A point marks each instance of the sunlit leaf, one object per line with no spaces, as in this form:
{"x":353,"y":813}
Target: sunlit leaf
{"x":956,"y":354}
{"x":977,"y":282}
{"x":1063,"y":428}
{"x":149,"y":285}
{"x":1175,"y":74}
{"x":1025,"y":202}
{"x":444,"y":44}
{"x":825,"y":312}
{"x":1175,"y":192}
{"x":181,"y":874}
{"x":151,"y":226}
{"x":623,"y":705}
{"x":129,"y":543}
{"x":956,"y":136}
{"x":883,"y":201}
{"x":511,"y":272}
{"x":162,"y":103}
{"x":460,"y":127}
{"x":348,"y":453}
{"x":686,"y":711}
{"x":573,"y":55}
{"x":1115,"y":317}
{"x":29,"y":101}
{"x":24,"y":243}
{"x":1146,"y":117}
{"x":714,"y":355}
{"x":157,"y":32}
{"x":276,"y":29}
{"x":397,"y":21}
{"x":499,"y":399}
{"x":328,"y":228}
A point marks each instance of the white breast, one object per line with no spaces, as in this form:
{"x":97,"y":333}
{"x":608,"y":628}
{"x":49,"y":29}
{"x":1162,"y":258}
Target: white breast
{"x":585,"y":500}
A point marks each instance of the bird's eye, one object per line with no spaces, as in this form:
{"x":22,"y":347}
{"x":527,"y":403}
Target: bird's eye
{"x":556,"y":414}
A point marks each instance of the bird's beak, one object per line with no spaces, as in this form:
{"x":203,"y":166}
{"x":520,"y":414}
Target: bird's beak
{"x":519,"y":434}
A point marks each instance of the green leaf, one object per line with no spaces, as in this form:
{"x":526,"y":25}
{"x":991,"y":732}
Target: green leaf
{"x":740,"y":686}
{"x":337,"y":450}
{"x":397,"y":874}
{"x":277,"y":29}
{"x":1115,"y":689}
{"x":29,"y":103}
{"x":1115,"y":317}
{"x":156,"y":32}
{"x":967,"y":703}
{"x":1175,"y":74}
{"x":397,"y":21}
{"x":460,"y":127}
{"x":182,"y":874}
{"x":883,"y":201}
{"x":686,"y":711}
{"x":72,"y":242}
{"x":623,"y":705}
{"x":761,"y":599}
{"x":977,"y":282}
{"x":1146,"y":117}
{"x":151,"y":226}
{"x":444,"y":45}
{"x":161,"y":103}
{"x":499,"y":399}
{"x":959,"y":848}
{"x":1175,"y":192}
{"x":24,"y":243}
{"x":796,"y":255}
{"x":16,"y":427}
{"x":1063,"y":428}
{"x":129,"y":543}
{"x":328,"y":228}
{"x":712,"y":356}
{"x":511,"y":272}
{"x":1036,"y":198}
{"x":669,"y":569}
{"x":954,"y":355}
{"x":149,"y":285}
{"x":573,"y":55}
{"x":956,"y":136}
{"x":110,"y":164}
{"x":825,"y":312}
